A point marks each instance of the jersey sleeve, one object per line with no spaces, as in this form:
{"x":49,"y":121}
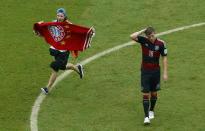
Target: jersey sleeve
{"x":141,"y":39}
{"x":163,"y":50}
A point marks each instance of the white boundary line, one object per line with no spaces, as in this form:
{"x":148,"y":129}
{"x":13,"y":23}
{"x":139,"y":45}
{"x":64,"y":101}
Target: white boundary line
{"x":41,"y":97}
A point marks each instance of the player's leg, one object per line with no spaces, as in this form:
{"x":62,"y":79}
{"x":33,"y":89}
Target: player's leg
{"x":146,"y":107}
{"x":52,"y":79}
{"x":155,"y":86}
{"x":153,"y":100}
{"x":76,"y":68}
{"x":62,"y":59}
{"x":71,"y":66}
{"x":145,"y":85}
{"x":55,"y":66}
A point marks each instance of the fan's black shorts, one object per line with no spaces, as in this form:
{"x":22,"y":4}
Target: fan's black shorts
{"x":61,"y":59}
{"x":150,"y":80}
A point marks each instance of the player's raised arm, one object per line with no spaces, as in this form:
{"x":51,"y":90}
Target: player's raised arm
{"x":134,"y":36}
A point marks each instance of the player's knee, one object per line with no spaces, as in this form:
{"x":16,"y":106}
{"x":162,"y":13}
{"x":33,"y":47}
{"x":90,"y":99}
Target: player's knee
{"x":154,"y":95}
{"x":70,"y":66}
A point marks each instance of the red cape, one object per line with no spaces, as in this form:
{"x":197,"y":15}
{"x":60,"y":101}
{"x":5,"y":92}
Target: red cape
{"x":65,"y":36}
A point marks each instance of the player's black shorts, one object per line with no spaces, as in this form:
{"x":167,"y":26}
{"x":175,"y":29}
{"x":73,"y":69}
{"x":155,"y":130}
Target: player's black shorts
{"x":61,"y":59}
{"x":150,"y":80}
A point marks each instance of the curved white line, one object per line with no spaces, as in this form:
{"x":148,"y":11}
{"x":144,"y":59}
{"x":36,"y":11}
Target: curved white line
{"x":41,"y":97}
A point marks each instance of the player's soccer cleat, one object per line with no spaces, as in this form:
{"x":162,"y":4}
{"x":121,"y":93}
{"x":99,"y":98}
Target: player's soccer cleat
{"x":44,"y":90}
{"x":151,"y":115}
{"x":80,"y":68}
{"x":146,"y":121}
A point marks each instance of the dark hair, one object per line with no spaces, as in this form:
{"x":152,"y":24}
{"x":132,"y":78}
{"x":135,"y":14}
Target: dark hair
{"x":149,"y":30}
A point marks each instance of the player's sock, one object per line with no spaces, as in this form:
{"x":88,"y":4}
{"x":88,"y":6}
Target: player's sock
{"x":153,"y":100}
{"x":146,"y":105}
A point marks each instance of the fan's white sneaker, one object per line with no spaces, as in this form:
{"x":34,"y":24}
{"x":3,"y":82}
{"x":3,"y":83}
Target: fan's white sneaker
{"x":151,"y":115}
{"x":146,"y":121}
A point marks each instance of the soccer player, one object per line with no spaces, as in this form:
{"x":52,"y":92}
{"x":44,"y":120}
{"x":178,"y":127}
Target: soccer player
{"x":60,"y":57}
{"x":152,"y":48}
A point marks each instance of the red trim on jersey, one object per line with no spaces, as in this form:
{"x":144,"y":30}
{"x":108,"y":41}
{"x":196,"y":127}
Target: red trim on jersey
{"x":149,"y":66}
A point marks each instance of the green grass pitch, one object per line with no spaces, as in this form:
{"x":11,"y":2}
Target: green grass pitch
{"x":108,"y":98}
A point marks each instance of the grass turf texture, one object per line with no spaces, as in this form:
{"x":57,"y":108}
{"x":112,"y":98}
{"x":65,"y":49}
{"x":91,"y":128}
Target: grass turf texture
{"x":24,"y":65}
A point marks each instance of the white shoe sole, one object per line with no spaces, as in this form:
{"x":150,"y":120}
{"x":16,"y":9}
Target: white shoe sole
{"x":147,"y":121}
{"x":151,"y":118}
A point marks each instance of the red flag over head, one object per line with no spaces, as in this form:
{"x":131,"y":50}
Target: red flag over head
{"x":65,"y":36}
